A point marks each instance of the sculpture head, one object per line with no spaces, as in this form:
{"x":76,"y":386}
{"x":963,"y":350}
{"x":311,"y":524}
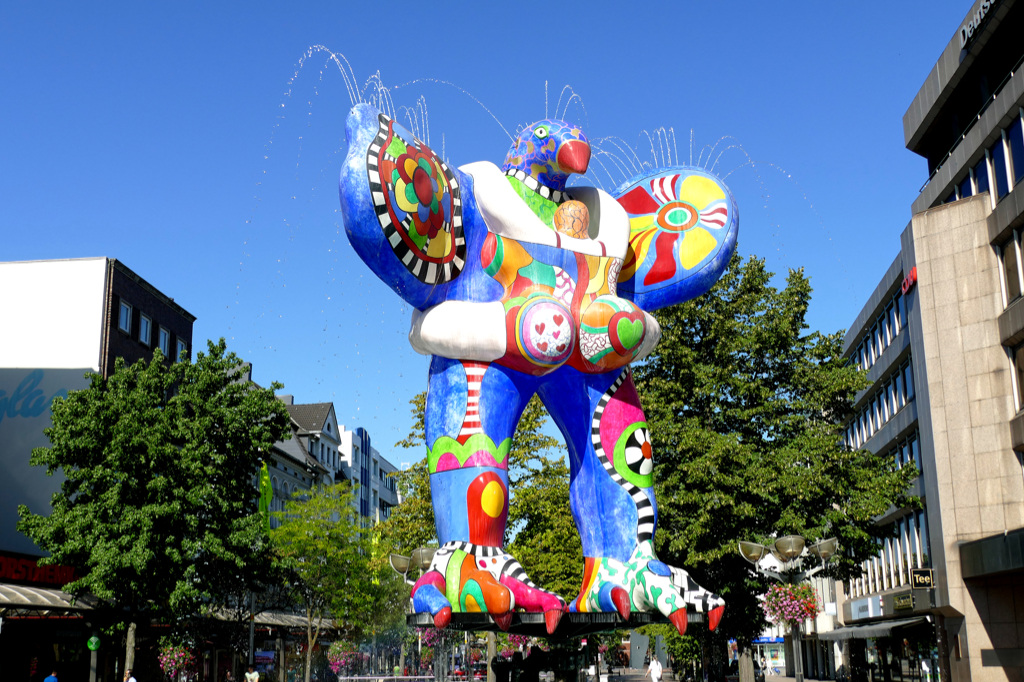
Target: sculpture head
{"x":549,"y":151}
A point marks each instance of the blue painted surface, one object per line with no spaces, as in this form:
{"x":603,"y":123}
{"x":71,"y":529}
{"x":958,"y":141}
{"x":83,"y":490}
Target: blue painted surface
{"x":448,"y":492}
{"x":686,"y":284}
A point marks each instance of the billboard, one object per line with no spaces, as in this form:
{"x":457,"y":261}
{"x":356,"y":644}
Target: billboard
{"x":25,"y":398}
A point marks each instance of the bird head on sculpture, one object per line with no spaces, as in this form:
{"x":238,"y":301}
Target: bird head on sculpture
{"x":549,"y":150}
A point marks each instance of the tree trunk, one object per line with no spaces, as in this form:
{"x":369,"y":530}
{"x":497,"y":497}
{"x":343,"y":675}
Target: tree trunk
{"x":746,"y":666}
{"x":129,"y":648}
{"x":309,"y":648}
{"x":401,"y":659}
{"x":492,"y":652}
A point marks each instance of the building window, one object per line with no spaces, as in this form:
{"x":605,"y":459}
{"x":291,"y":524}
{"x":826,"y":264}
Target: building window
{"x":1018,"y":365}
{"x":124,"y":322}
{"x":1009,"y":254}
{"x":965,"y":187}
{"x":981,"y":175}
{"x":145,"y":329}
{"x":182,"y":348}
{"x":998,"y":154}
{"x":164,"y":338}
{"x":1016,"y":139}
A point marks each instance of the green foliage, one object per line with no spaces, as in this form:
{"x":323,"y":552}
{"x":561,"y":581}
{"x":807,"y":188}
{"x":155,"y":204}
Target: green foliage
{"x":159,"y":509}
{"x":746,"y":412}
{"x":321,"y":546}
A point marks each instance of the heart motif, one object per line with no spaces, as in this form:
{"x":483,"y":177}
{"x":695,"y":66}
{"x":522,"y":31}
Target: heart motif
{"x":555,"y":334}
{"x":560,"y":347}
{"x":539,"y":328}
{"x":630,"y":332}
{"x":558,"y":319}
{"x":543,"y":346}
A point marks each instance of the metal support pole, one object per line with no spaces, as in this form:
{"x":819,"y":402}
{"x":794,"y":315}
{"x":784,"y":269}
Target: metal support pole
{"x":93,"y":659}
{"x":798,"y":662}
{"x":252,"y":626}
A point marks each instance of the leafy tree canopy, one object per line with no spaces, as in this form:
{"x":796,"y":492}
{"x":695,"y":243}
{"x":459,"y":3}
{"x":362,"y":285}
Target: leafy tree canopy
{"x":321,"y":545}
{"x":746,"y":410}
{"x":158,"y":511}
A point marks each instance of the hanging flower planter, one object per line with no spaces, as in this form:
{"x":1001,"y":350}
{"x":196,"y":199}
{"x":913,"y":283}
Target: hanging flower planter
{"x":790,"y":603}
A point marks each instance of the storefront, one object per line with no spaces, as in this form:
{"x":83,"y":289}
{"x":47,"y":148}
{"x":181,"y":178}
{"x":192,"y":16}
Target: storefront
{"x":771,"y":650}
{"x":891,"y":651}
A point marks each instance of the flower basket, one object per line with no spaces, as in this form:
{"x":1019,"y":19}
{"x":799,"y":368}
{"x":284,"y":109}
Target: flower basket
{"x":790,"y":603}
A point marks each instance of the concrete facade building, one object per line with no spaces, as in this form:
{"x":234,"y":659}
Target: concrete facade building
{"x":60,"y":319}
{"x":940,"y":339}
{"x":321,"y":449}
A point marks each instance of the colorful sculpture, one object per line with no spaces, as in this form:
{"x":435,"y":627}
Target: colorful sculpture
{"x":521,"y":286}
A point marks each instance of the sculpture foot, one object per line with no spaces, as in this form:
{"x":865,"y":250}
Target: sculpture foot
{"x":489,"y":581}
{"x":715,"y":617}
{"x":503,"y":621}
{"x":643,"y":583}
{"x":678,"y":618}
{"x":442,"y":618}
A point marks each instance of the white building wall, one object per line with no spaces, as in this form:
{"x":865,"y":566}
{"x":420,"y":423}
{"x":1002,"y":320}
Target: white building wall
{"x":52,"y":313}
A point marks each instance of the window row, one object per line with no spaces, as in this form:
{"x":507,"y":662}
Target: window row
{"x":907,"y":548}
{"x":144,"y":332}
{"x":1003,"y":161}
{"x":387,"y":480}
{"x":883,"y":332}
{"x":328,"y":456}
{"x":908,"y":450}
{"x":894,"y":392}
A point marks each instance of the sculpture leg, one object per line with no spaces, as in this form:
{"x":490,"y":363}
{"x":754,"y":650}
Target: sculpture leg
{"x":471,"y":413}
{"x":613,"y":502}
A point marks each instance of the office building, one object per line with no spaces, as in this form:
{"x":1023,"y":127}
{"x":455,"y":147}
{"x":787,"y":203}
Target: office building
{"x":940,"y":338}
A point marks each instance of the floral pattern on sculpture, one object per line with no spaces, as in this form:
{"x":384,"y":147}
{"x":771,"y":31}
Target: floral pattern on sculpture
{"x":420,"y":187}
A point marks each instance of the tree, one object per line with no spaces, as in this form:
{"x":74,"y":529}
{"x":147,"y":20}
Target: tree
{"x":159,"y":511}
{"x":746,"y":411}
{"x":321,"y":546}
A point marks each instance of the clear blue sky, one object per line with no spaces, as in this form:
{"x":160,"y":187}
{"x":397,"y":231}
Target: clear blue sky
{"x":187,"y":141}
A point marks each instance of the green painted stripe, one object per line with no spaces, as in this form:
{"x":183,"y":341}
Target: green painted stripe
{"x":451,"y":577}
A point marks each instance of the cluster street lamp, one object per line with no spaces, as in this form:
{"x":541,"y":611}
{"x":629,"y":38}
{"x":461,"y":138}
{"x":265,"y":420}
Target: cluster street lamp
{"x":421,"y":558}
{"x":788,"y":551}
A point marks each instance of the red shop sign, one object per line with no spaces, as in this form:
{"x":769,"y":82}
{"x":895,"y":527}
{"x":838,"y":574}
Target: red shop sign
{"x":910,"y":280}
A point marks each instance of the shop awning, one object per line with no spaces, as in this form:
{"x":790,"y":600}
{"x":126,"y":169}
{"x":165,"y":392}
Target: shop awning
{"x":880,"y":629}
{"x":21,"y":600}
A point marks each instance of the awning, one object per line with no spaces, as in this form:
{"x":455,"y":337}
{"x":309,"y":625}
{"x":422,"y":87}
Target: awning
{"x":47,"y":602}
{"x":880,"y":629}
{"x":21,"y":600}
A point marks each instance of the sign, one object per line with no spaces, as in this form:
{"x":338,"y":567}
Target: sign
{"x":903,"y":602}
{"x":25,"y":399}
{"x":93,"y":643}
{"x":921,"y":578}
{"x":910,"y":280}
{"x":18,"y":568}
{"x":974,"y":21}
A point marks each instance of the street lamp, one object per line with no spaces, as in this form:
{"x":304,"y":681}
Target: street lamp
{"x":788,"y":551}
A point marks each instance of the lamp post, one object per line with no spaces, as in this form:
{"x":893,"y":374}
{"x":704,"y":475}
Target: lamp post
{"x":788,"y":552}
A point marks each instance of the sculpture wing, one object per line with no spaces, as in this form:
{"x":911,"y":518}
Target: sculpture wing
{"x":683,"y":227}
{"x":402,"y":207}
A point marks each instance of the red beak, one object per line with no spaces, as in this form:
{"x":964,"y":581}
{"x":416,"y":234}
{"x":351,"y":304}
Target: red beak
{"x":574,"y":156}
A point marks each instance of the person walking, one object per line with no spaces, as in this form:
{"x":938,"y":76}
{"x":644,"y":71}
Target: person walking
{"x":129,"y":675}
{"x":252,"y":675}
{"x":52,"y":677}
{"x":654,"y":670}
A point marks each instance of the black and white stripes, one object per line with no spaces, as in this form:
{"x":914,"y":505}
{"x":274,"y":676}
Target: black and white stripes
{"x":495,"y":560}
{"x":425,"y":270}
{"x":644,"y":508}
{"x":533,"y":184}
